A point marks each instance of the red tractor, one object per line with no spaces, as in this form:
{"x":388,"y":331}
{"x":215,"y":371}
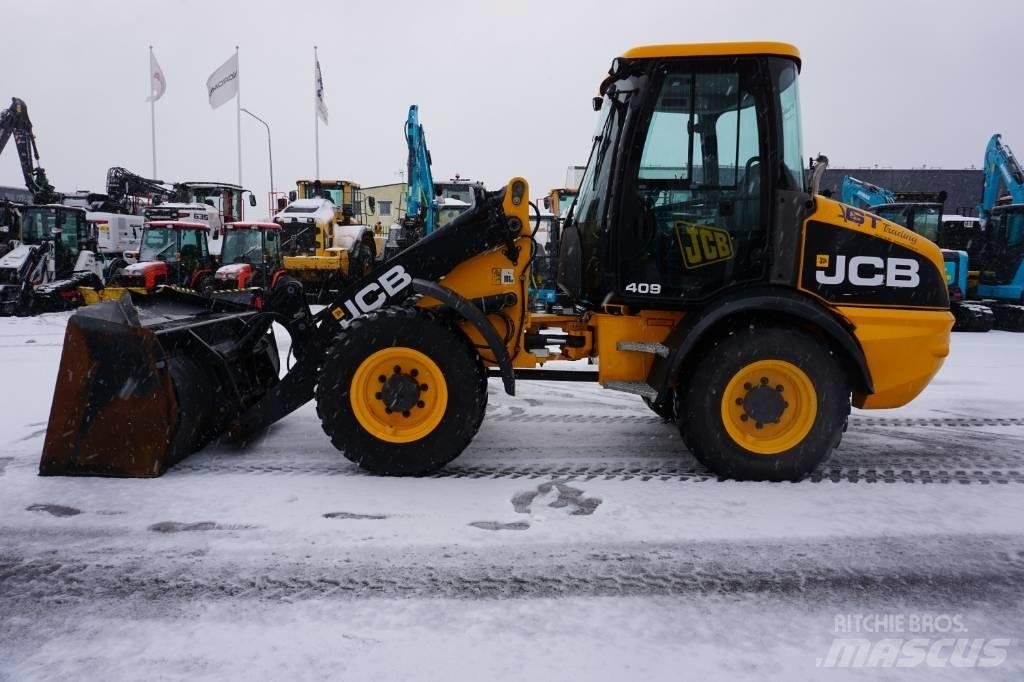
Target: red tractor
{"x":172,"y":252}
{"x":250,"y":256}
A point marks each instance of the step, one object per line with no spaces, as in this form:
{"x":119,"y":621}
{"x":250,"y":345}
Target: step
{"x":641,"y":388}
{"x":643,"y":347}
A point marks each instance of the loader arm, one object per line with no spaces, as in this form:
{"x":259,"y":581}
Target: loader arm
{"x":485,"y":227}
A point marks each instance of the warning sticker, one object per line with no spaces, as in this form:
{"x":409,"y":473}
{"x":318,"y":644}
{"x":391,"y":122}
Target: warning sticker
{"x":503,"y":276}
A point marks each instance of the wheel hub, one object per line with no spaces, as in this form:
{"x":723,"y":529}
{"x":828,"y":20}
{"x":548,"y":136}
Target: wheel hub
{"x":764,"y":404}
{"x":400,"y":392}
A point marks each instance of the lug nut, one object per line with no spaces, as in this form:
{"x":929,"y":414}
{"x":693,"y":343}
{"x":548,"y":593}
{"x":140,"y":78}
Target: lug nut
{"x":414,"y":372}
{"x":398,"y":370}
{"x":758,"y":425}
{"x":406,"y":413}
{"x":747,"y":386}
{"x":382,"y":378}
{"x":423,"y":387}
{"x":779,"y":388}
{"x":387,"y":410}
{"x":421,"y":404}
{"x":744,"y":417}
{"x":739,"y":401}
{"x":378,"y":395}
{"x":764,"y":381}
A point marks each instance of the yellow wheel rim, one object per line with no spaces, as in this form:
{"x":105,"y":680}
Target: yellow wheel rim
{"x":398,"y":395}
{"x":769,"y":406}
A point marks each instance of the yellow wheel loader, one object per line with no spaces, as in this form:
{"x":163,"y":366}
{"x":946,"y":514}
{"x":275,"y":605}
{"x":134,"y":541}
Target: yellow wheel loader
{"x":705,"y":276}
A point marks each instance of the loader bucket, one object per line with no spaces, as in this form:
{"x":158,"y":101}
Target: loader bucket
{"x":139,"y":389}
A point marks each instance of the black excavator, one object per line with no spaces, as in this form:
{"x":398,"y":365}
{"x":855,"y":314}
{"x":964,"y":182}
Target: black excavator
{"x":702,"y":268}
{"x":14,"y":122}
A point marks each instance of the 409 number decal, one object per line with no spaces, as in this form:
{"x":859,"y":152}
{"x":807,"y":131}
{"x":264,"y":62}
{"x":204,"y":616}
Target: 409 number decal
{"x":643,"y":288}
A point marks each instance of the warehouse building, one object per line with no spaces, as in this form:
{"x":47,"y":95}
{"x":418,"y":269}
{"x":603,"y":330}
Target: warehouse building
{"x":962,"y":186}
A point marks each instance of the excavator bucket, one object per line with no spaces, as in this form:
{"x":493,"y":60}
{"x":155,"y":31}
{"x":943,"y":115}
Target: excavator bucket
{"x":139,"y":389}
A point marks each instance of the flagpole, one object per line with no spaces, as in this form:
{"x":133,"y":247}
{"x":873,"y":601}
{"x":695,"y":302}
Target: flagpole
{"x":152,"y":110}
{"x":316,"y":115}
{"x":238,"y":113}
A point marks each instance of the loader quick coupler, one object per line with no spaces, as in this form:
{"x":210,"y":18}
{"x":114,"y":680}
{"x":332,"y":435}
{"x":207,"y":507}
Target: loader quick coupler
{"x":762,"y":403}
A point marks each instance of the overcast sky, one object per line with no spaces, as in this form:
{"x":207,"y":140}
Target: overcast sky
{"x":504,"y":88}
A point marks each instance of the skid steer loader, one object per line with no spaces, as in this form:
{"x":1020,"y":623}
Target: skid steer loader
{"x":704,"y":276}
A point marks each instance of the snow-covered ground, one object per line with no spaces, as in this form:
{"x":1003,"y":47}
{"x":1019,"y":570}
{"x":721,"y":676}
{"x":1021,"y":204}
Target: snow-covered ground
{"x":574,"y":539}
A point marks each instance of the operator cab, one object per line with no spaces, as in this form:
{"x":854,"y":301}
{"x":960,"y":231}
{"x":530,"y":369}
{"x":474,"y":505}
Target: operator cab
{"x":695,"y":157}
{"x":251,"y":255}
{"x":1002,"y":253}
{"x":923,"y":218}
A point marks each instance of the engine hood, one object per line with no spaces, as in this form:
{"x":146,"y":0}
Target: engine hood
{"x":16,"y":257}
{"x":233,"y":270}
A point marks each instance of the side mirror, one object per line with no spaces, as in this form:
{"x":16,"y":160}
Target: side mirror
{"x":371,"y":202}
{"x":252,"y":200}
{"x":817,"y":173}
{"x":292,"y":195}
{"x":547,"y":203}
{"x":596,"y":103}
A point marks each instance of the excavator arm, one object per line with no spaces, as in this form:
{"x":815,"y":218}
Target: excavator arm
{"x":420,"y":193}
{"x":14,"y":122}
{"x":860,"y":194}
{"x":1001,"y":170}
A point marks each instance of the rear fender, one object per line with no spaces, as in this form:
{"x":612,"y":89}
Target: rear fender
{"x":695,"y":328}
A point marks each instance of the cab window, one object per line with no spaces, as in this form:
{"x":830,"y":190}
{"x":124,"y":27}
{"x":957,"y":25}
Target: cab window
{"x":694,"y":220}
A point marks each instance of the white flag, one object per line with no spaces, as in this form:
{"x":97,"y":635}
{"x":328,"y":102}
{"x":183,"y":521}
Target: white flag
{"x":157,"y":84}
{"x":321,"y":108}
{"x":223,"y":84}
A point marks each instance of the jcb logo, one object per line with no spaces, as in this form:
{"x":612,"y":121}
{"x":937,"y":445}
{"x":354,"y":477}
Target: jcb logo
{"x":375,"y":294}
{"x":702,"y":245}
{"x":868,"y":271}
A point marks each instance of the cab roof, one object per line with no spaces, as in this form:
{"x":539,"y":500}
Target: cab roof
{"x":251,"y":224}
{"x":714,"y":50}
{"x":178,"y":224}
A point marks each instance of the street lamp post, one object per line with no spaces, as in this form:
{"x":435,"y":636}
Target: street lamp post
{"x":270,"y":155}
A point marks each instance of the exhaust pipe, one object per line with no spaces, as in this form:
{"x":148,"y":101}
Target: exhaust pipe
{"x":139,"y":389}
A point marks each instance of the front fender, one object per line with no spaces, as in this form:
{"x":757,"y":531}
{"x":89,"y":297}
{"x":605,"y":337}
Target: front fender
{"x":474,"y":316}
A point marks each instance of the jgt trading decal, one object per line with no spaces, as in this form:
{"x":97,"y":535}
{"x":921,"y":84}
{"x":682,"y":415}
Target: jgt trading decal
{"x":868,"y":271}
{"x":860,"y":268}
{"x":375,"y":294}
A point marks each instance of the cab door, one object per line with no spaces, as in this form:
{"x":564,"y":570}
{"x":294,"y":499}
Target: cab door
{"x":693,"y":218}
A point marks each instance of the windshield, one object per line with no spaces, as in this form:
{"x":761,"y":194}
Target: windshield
{"x":461,"y":191}
{"x":227,"y":202}
{"x":38,"y":224}
{"x":242,"y":246}
{"x":447,"y":214}
{"x":565,"y":200}
{"x":926,"y":222}
{"x":1014,"y":224}
{"x":159,"y":243}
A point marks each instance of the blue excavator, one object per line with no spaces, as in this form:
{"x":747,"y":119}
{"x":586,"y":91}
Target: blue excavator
{"x":921,"y":213}
{"x":420,"y":217}
{"x":999,"y":260}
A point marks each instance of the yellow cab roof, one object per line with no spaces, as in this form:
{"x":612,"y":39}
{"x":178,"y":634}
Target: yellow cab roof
{"x":713,"y":50}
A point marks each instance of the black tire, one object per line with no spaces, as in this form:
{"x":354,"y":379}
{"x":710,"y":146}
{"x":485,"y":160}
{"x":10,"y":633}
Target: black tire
{"x":402,"y":328}
{"x":205,"y":286}
{"x":115,"y":267}
{"x":666,"y":411}
{"x":701,"y":403}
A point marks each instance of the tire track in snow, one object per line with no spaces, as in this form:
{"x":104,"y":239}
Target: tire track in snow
{"x":950,"y":569}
